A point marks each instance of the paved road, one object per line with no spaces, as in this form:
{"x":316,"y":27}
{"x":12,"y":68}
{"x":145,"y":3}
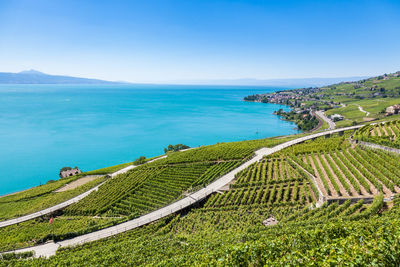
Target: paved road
{"x":322,"y":115}
{"x":50,"y":249}
{"x":65,"y":203}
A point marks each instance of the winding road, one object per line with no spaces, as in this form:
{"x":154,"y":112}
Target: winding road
{"x":321,"y":114}
{"x":50,"y":249}
{"x":66,"y":203}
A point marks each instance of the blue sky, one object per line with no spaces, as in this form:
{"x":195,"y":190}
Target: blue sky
{"x":158,"y":41}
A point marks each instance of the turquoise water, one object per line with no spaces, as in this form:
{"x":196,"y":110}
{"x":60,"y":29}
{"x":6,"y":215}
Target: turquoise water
{"x":46,"y":127}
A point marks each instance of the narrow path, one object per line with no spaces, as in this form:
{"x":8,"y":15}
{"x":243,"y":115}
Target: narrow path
{"x":65,"y":203}
{"x":362,"y":110}
{"x":50,"y":249}
{"x":322,"y":115}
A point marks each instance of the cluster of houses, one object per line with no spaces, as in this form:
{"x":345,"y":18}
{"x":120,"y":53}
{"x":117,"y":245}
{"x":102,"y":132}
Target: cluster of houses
{"x":395,"y":109}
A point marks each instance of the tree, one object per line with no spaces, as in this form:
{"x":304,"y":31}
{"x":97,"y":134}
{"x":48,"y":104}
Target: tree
{"x":175,"y":148}
{"x":65,"y":169}
{"x":140,"y":160}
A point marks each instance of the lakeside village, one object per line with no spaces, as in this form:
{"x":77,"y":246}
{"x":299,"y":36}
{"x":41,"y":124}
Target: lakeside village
{"x":305,"y":101}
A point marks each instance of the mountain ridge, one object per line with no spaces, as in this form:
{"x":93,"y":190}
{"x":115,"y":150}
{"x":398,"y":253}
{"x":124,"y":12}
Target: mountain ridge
{"x":37,"y":77}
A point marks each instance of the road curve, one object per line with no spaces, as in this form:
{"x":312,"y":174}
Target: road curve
{"x":65,"y":204}
{"x":322,"y":115}
{"x":50,"y":249}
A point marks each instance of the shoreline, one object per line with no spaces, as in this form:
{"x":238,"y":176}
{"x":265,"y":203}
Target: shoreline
{"x":316,"y":128}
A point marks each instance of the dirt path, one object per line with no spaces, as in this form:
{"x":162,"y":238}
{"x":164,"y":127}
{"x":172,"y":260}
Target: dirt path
{"x":341,"y":187}
{"x":372,"y":132}
{"x":362,"y":110}
{"x":352,"y":190}
{"x":378,"y":130}
{"x":371,"y":186}
{"x":397,"y":127}
{"x":317,"y":175}
{"x":386,"y":191}
{"x":78,"y":183}
{"x":393,"y":133}
{"x":331,"y":187}
{"x":384,"y":130}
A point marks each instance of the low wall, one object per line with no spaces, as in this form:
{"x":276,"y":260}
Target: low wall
{"x":341,"y":200}
{"x":372,"y":145}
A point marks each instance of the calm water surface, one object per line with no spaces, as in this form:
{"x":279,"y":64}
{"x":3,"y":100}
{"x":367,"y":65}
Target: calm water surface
{"x":46,"y":127}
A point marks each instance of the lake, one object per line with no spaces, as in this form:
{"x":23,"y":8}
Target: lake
{"x":46,"y":127}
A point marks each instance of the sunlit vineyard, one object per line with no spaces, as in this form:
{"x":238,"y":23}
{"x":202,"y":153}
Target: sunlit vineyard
{"x":41,"y":197}
{"x":222,"y":151}
{"x":325,"y":201}
{"x":385,"y":133}
{"x":338,"y":234}
{"x":353,"y":172}
{"x":139,"y":191}
{"x":147,"y":188}
{"x":271,"y":182}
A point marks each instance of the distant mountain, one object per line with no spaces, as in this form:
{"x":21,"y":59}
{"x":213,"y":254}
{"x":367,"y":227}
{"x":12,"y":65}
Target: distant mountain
{"x":37,"y":77}
{"x":301,"y":82}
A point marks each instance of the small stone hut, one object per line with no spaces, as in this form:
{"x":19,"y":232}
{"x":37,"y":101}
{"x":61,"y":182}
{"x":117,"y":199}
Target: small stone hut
{"x":70,"y":172}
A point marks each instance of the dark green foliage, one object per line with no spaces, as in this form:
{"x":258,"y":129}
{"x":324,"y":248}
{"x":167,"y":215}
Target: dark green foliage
{"x":140,"y":160}
{"x":175,"y":148}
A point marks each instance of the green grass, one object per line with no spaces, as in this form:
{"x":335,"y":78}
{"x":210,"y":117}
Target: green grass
{"x":37,"y":231}
{"x":108,"y":170}
{"x":40,"y":198}
{"x":350,"y":112}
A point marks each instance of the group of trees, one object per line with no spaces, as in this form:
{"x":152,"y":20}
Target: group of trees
{"x":304,"y":120}
{"x":175,"y":148}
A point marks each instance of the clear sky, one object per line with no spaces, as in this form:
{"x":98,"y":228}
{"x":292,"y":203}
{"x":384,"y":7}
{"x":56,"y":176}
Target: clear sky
{"x":153,"y":41}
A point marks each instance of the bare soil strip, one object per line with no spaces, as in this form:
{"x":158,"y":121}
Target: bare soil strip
{"x":374,"y":191}
{"x":379,"y":131}
{"x":392,"y":132}
{"x":314,"y":197}
{"x":341,"y":187}
{"x":77,"y":183}
{"x":372,"y":132}
{"x":385,"y":130}
{"x":386,"y":190}
{"x":331,"y":187}
{"x":319,"y":180}
{"x":352,"y":190}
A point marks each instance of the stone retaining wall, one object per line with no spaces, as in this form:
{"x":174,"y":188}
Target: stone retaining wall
{"x":372,"y":145}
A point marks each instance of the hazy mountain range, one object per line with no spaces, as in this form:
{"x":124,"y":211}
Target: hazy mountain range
{"x":37,"y":77}
{"x":300,"y":82}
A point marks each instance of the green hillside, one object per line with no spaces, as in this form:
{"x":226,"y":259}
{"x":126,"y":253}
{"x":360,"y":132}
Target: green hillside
{"x":357,"y":224}
{"x":330,"y":200}
{"x":372,"y":95}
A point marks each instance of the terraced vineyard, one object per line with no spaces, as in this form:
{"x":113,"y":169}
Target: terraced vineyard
{"x":221,"y":151}
{"x":41,"y":197}
{"x":333,"y":233}
{"x":271,"y":182}
{"x":386,"y":134}
{"x":149,"y":187}
{"x":353,"y":172}
{"x":237,"y":226}
{"x":139,"y":191}
{"x":159,"y":183}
